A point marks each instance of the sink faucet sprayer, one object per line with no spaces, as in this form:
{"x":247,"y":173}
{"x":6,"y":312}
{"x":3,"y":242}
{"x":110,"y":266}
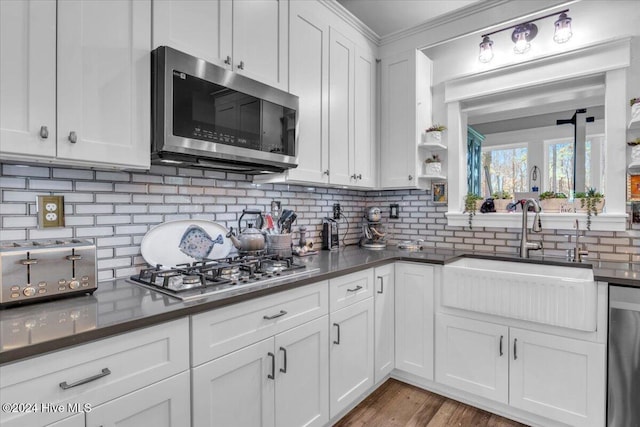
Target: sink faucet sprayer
{"x":525,"y":244}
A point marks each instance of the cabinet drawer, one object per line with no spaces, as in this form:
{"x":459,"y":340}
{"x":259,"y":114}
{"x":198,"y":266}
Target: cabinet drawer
{"x":120,"y":365}
{"x":346,"y":290}
{"x":221,"y":331}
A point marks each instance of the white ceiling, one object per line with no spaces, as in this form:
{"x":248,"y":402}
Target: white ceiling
{"x":385,"y":17}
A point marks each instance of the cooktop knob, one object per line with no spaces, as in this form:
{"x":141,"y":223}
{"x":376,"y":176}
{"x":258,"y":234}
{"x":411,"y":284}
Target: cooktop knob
{"x":29,"y":291}
{"x":74,"y":284}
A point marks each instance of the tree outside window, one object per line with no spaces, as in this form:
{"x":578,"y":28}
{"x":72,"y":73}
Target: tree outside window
{"x":506,"y":167}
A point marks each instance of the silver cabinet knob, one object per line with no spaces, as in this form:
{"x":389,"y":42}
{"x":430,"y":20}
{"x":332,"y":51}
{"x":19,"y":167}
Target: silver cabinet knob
{"x":241,"y":65}
{"x":73,"y":137}
{"x":410,"y":177}
{"x":326,"y":172}
{"x":44,"y":132}
{"x":228,"y":60}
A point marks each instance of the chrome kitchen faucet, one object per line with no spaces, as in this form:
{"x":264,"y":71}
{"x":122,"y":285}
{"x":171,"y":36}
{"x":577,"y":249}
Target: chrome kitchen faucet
{"x":525,"y":244}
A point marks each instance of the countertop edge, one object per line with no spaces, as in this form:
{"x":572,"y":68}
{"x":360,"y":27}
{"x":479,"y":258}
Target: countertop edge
{"x":57,"y":344}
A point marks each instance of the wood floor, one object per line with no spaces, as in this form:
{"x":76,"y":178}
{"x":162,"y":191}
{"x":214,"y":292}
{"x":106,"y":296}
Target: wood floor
{"x":396,"y":404}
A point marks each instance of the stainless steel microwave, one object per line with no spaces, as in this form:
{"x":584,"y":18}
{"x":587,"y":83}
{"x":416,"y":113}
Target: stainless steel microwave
{"x":207,"y":116}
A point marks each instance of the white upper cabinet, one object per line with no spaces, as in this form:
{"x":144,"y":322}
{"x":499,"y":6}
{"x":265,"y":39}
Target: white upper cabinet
{"x":28,"y":77}
{"x":247,"y":36}
{"x":309,"y":80}
{"x":341,"y":94}
{"x":335,"y":81}
{"x":406,"y":113}
{"x":261,"y":40}
{"x":104,"y":81}
{"x":195,"y":27}
{"x":101,"y":70}
{"x":364,"y":143}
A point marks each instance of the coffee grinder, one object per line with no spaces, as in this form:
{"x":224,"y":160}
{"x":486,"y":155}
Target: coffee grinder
{"x":372,"y":230}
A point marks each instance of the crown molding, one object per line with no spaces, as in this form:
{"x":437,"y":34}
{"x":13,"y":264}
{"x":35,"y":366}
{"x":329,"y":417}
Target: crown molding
{"x":351,"y":19}
{"x":443,"y":20}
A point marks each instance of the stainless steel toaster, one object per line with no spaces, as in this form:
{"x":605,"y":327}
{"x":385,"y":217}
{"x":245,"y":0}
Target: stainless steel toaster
{"x":38,"y":270}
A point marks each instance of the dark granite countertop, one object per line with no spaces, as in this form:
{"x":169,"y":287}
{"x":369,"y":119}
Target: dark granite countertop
{"x":119,"y":306}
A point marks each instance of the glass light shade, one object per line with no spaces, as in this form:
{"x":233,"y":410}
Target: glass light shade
{"x":486,"y":50}
{"x":522,"y":45}
{"x":563,"y":29}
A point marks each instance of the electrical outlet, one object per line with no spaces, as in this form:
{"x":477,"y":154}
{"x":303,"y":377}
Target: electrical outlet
{"x":337,"y":210}
{"x":50,"y":211}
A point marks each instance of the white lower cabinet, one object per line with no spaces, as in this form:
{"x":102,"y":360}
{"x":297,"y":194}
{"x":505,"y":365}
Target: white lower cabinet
{"x":163,"y":404}
{"x":351,"y":354}
{"x":473,"y":356}
{"x":384,"y":355}
{"x":109,"y":372}
{"x":279,"y":381}
{"x":559,"y":378}
{"x":414,"y":311}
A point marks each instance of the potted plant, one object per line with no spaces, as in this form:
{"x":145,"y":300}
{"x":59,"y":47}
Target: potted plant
{"x":471,"y":202}
{"x":553,"y":202}
{"x":501,"y":199}
{"x":433,"y":134}
{"x":591,"y":202}
{"x":433,"y":165}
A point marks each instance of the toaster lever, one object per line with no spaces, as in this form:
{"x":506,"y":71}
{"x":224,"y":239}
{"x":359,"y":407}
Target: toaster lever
{"x":28,"y":261}
{"x":74,"y":257}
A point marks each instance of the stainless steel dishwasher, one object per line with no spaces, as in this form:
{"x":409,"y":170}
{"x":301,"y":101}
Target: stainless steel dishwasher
{"x":623,"y":407}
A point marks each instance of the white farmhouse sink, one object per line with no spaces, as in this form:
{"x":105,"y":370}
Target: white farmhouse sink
{"x":554,"y":295}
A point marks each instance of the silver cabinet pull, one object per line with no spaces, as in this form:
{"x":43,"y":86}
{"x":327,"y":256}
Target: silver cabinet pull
{"x":354,"y":176}
{"x":501,"y":337}
{"x":104,"y":373}
{"x":356,"y":289}
{"x":241,"y":65}
{"x":44,"y":132}
{"x":515,"y":349}
{"x":381,"y":284}
{"x":326,"y":172}
{"x":275,"y":316}
{"x":284,"y":368}
{"x":410,"y":177}
{"x":272,"y":376}
{"x":359,"y":176}
{"x":228,"y":60}
{"x":337,"y":341}
{"x":73,"y":137}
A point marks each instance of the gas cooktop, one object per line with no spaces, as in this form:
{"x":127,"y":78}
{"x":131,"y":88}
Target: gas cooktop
{"x":210,"y":277}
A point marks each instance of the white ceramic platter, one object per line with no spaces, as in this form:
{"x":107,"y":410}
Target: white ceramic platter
{"x":184,"y":241}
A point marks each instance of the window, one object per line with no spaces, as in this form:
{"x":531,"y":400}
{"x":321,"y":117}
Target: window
{"x":507,"y":168}
{"x":559,"y":161}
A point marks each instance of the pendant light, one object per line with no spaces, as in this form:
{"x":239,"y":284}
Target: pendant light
{"x":563,"y":29}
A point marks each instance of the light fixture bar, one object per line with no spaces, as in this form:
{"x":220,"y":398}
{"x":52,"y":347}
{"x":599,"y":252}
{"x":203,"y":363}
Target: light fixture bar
{"x":526,"y":22}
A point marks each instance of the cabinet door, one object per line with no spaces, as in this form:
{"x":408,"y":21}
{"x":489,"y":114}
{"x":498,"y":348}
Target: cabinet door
{"x":302,"y":375}
{"x":28,"y":77}
{"x":414,"y":319}
{"x":473,"y":356}
{"x":384,"y":321}
{"x":236,"y":389}
{"x":104,"y":82}
{"x":261,"y":40}
{"x":559,"y":378}
{"x":406,"y":113}
{"x":199,"y":28}
{"x":165,"y":403}
{"x":351,"y":354}
{"x":309,"y":80}
{"x":341,"y":102}
{"x":364,"y":146}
